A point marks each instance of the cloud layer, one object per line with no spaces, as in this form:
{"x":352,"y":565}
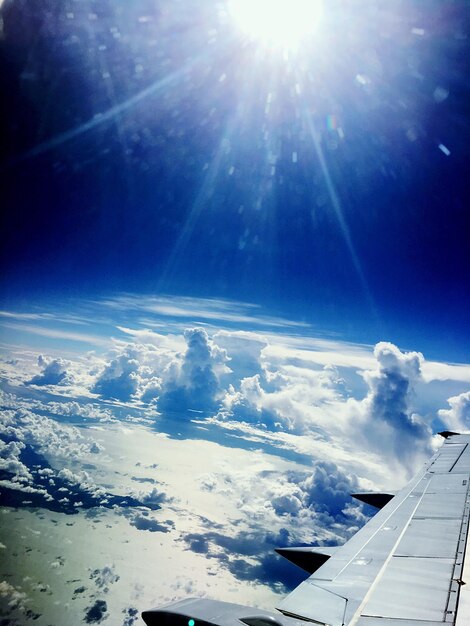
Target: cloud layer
{"x":242,"y":377}
{"x":302,"y":424}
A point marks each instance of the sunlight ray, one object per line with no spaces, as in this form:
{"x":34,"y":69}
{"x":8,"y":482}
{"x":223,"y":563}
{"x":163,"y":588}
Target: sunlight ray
{"x":336,"y":204}
{"x":207,"y":185}
{"x":111,"y":113}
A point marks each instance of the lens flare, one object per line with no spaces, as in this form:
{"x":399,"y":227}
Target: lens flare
{"x":283,"y":23}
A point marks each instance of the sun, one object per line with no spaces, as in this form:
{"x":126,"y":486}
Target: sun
{"x":280,"y":23}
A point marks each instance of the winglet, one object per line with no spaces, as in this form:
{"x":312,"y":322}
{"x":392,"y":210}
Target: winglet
{"x":309,"y":558}
{"x":379,"y":500}
{"x":447,"y":433}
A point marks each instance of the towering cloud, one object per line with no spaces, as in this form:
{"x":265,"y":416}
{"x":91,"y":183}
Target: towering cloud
{"x":120,"y":378}
{"x":300,"y":399}
{"x":458,"y":416}
{"x":179,"y":381}
{"x":129,"y":375}
{"x":391,"y":422}
{"x":54,"y":372}
{"x":193,"y":383}
{"x":391,"y":386}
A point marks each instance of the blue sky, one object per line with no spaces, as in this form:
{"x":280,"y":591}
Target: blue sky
{"x":326,"y":184}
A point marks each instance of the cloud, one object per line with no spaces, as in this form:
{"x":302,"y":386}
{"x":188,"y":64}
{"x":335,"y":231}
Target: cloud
{"x":247,"y":405}
{"x":96,"y":613}
{"x":302,"y":399}
{"x":193,"y":381}
{"x":131,"y":615}
{"x":45,"y":435}
{"x":70,"y":409}
{"x":295,"y":399}
{"x":82,"y":480}
{"x":210,"y":309}
{"x":244,"y":349}
{"x":105,"y":577}
{"x":132,"y":374}
{"x":249,"y":556}
{"x":319,"y":499}
{"x":328,"y":491}
{"x":165,"y":343}
{"x":458,"y":416}
{"x":144,"y":522}
{"x":96,"y":448}
{"x":17,"y":457}
{"x":153,"y":499}
{"x":391,"y":385}
{"x":315,"y":507}
{"x":55,"y":333}
{"x":391,"y":422}
{"x":27,"y":439}
{"x":274,"y":382}
{"x":24,"y":316}
{"x":120,"y":378}
{"x":316,"y":351}
{"x":142,"y":479}
{"x":54,"y":372}
{"x":10,"y":460}
{"x":88,"y":410}
{"x":433,"y":370}
{"x":14,"y":599}
{"x":145,"y":372}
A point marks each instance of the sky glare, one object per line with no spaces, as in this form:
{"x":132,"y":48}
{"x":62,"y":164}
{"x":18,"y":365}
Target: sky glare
{"x":158,"y":147}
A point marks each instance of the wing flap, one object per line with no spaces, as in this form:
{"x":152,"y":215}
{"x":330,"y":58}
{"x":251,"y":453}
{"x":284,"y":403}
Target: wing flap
{"x":318,"y":604}
{"x":412,"y":588}
{"x":383,"y":621}
{"x":430,"y":538}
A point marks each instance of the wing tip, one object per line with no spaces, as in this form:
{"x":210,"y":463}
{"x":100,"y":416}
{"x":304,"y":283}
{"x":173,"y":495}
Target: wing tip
{"x":447,"y":433}
{"x":307,"y":558}
{"x":377,"y":500}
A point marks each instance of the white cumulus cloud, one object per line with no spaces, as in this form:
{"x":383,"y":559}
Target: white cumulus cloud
{"x":192,"y":382}
{"x":54,"y":372}
{"x":458,"y":416}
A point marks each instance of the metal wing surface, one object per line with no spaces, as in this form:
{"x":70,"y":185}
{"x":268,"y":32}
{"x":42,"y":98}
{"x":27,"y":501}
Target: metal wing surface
{"x":405,"y":567}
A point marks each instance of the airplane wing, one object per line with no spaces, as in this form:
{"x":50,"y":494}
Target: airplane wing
{"x":405,"y":567}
